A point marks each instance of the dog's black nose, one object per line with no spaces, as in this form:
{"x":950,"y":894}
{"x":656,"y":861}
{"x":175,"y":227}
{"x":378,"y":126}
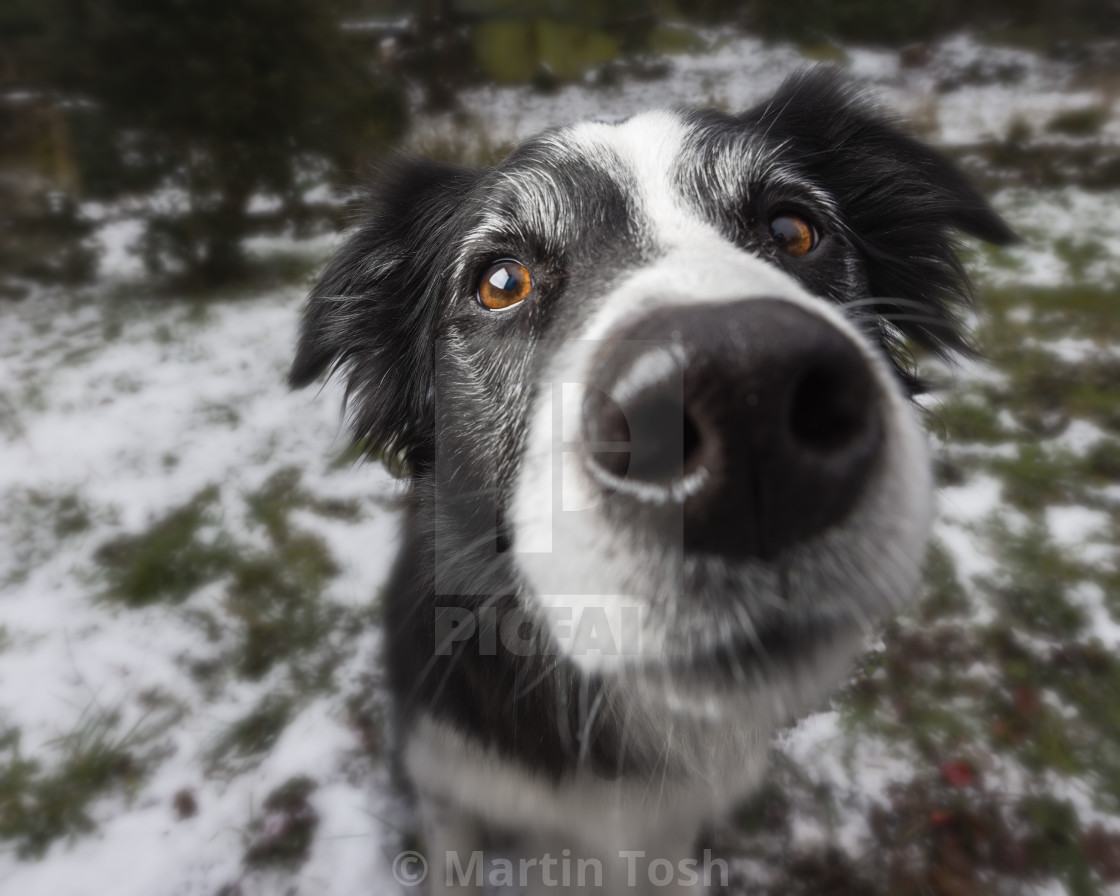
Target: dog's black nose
{"x":751,"y":425}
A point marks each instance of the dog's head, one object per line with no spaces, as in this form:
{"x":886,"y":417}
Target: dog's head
{"x":650,"y":377}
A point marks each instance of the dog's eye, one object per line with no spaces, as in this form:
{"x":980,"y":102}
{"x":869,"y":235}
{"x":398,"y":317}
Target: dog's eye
{"x":503,"y":284}
{"x":794,"y":236}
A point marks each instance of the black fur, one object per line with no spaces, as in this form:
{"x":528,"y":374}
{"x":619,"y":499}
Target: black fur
{"x":374,"y":309}
{"x":902,"y":203}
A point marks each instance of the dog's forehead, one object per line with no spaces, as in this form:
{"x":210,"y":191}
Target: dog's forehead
{"x":643,"y":157}
{"x":670,"y":168}
{"x":567,"y":183}
{"x":645,"y":149}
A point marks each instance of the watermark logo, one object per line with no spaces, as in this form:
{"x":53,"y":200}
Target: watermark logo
{"x":410,"y":869}
{"x":561,"y":870}
{"x":583,"y":630}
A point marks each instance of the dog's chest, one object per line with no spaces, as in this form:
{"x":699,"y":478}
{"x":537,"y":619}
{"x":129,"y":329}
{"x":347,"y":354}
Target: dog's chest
{"x":704,"y":769}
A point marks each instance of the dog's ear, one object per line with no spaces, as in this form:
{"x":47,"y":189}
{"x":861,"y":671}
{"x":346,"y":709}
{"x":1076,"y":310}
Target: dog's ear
{"x":372,"y":314}
{"x":901,"y":201}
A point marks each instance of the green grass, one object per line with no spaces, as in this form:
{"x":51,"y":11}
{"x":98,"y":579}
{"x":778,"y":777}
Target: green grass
{"x":1079,"y":310}
{"x":1085,"y":122}
{"x":964,"y":419}
{"x":275,"y":600}
{"x":43,"y":801}
{"x":178,"y":554}
{"x":243,"y":743}
{"x":1039,"y":397}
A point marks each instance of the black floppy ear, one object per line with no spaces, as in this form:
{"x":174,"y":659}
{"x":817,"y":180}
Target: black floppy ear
{"x":372,"y":313}
{"x":901,"y":201}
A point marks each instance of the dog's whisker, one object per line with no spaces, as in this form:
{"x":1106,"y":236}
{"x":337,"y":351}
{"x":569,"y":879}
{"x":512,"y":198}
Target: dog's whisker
{"x":548,"y":672}
{"x":882,"y":302}
{"x":563,"y":717}
{"x":586,"y":733}
{"x":459,"y":652}
{"x":915,"y":318}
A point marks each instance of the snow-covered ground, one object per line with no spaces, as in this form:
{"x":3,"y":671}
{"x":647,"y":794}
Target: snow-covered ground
{"x":121,"y":417}
{"x":1002,"y":86}
{"x":130,"y":425}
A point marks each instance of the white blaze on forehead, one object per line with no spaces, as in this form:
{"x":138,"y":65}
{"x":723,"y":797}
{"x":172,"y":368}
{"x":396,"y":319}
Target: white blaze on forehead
{"x":644,"y":153}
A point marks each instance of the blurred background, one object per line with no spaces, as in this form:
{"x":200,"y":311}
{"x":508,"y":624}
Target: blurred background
{"x":190,"y":560}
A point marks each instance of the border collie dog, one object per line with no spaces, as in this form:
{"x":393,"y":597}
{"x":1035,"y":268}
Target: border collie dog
{"x":650,"y":384}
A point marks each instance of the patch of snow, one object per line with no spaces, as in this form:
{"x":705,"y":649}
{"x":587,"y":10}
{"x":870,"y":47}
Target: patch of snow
{"x":857,"y":772}
{"x":117,"y":245}
{"x":1084,"y":530}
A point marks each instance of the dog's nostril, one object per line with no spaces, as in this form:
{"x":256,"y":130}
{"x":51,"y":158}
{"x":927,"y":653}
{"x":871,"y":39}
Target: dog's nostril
{"x":662,"y":439}
{"x":650,"y":438}
{"x":829,"y":407}
{"x":610,"y":438}
{"x":691,"y":443}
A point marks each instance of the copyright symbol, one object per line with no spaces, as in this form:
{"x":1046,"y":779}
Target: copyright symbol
{"x":410,"y":868}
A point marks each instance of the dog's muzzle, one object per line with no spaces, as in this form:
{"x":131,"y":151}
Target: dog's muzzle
{"x":749,"y":427}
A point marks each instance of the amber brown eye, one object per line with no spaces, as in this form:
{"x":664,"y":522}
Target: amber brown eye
{"x":795,"y":236}
{"x":503,"y":284}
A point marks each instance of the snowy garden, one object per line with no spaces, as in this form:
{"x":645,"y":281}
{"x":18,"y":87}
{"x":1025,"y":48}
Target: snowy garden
{"x":191,"y":556}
